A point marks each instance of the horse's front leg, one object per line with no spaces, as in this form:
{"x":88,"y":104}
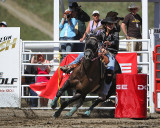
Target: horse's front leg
{"x":74,"y":109}
{"x":66,"y":103}
{"x":59,"y":93}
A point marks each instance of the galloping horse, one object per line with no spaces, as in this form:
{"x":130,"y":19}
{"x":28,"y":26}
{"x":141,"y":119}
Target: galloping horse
{"x":85,"y":78}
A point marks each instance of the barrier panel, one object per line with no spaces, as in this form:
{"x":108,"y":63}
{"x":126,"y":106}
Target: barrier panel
{"x":30,"y":48}
{"x":131,"y":96}
{"x":157,"y":78}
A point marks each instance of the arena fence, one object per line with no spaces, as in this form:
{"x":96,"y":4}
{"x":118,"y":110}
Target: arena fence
{"x":51,"y":51}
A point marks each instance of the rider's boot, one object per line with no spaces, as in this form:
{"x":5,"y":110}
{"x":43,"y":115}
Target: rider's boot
{"x":68,"y":68}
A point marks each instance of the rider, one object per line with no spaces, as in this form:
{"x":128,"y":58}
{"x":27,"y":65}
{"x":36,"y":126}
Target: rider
{"x":111,"y":40}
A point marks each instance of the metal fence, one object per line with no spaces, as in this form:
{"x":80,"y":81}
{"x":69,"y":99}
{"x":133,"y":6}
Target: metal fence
{"x":51,"y":51}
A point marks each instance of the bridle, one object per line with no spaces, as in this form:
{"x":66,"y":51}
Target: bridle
{"x":93,"y":58}
{"x":91,"y":51}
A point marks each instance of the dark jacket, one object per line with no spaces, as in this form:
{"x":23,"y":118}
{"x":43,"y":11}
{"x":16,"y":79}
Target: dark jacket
{"x":30,"y":70}
{"x":112,"y":37}
{"x":82,"y":17}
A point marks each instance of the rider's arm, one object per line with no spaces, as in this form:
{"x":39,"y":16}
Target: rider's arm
{"x":115,"y":41}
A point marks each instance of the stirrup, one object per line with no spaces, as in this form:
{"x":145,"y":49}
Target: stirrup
{"x":66,"y":69}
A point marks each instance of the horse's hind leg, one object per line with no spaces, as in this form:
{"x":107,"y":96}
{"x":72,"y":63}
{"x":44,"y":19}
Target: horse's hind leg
{"x":88,"y":112}
{"x":59,"y":93}
{"x":74,"y":109}
{"x":66,"y":103}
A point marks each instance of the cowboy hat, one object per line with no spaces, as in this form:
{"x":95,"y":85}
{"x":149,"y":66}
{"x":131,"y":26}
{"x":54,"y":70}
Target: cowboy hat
{"x":74,"y":5}
{"x":131,"y":6}
{"x":108,"y":20}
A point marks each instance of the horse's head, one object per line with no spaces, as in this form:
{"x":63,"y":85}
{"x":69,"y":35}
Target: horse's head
{"x":91,"y":47}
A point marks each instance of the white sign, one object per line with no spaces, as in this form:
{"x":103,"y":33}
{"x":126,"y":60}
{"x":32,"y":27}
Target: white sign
{"x":10,"y":67}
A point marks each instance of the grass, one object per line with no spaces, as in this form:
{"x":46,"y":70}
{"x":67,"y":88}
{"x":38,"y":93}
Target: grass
{"x":44,"y":9}
{"x":27,"y":32}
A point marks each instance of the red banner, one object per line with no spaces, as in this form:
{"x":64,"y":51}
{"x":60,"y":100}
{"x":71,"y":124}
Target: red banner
{"x":128,"y":63}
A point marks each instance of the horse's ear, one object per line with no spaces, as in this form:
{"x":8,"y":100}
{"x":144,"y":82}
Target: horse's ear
{"x":101,"y":36}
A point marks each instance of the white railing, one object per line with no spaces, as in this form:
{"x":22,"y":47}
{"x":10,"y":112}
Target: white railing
{"x":48,"y":48}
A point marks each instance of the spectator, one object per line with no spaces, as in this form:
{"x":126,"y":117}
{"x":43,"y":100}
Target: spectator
{"x":31,"y":69}
{"x":133,"y":21}
{"x":42,"y":70}
{"x":3,"y":24}
{"x":80,"y":27}
{"x":67,"y":26}
{"x":93,"y":24}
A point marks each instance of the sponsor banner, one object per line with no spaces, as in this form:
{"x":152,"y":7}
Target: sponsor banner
{"x":10,"y":67}
{"x":128,"y":62}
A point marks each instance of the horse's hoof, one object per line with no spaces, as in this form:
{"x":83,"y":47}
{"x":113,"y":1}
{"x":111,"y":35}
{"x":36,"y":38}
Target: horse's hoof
{"x":54,"y":103}
{"x":69,"y":114}
{"x":56,"y":115}
{"x":87,"y":114}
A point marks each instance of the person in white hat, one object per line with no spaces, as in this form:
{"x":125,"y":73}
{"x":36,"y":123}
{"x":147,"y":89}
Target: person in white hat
{"x":133,"y":22}
{"x":93,"y":24}
{"x":3,"y":24}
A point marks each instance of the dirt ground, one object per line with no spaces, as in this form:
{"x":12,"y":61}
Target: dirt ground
{"x":18,"y":118}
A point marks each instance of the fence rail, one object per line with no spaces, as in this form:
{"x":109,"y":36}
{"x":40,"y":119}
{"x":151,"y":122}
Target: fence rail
{"x":35,"y":46}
